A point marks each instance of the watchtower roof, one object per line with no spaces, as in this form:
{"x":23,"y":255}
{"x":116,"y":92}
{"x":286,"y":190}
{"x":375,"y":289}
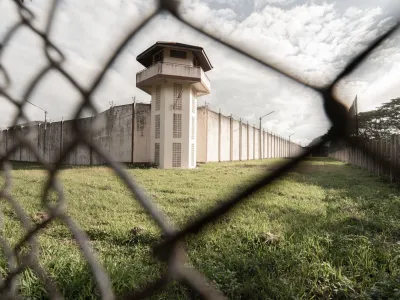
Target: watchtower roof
{"x":146,"y":57}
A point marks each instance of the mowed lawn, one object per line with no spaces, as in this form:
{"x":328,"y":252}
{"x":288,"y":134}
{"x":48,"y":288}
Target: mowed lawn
{"x":324,"y":231}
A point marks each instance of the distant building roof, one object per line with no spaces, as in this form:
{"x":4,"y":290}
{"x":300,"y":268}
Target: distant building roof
{"x":146,"y":57}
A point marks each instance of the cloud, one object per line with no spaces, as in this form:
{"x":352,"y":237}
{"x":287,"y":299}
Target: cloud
{"x":310,"y":40}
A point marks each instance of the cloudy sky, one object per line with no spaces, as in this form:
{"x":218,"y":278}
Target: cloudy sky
{"x":312,"y":39}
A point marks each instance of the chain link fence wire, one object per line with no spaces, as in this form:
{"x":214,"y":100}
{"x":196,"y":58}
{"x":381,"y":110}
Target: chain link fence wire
{"x":170,"y":249}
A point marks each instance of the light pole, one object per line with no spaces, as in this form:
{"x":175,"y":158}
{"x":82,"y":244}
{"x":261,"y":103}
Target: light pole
{"x":261,"y":131}
{"x":290,"y":143}
{"x":45,"y":112}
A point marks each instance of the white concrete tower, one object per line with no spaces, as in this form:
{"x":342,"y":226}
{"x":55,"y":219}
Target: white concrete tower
{"x":174,"y":77}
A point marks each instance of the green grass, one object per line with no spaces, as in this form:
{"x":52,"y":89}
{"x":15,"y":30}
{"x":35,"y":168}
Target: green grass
{"x":325,"y":231}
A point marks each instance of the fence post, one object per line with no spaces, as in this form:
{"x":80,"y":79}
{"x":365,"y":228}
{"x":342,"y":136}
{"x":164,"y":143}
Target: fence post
{"x":387,"y":153}
{"x":254,"y":141}
{"x":286,"y":148}
{"x":263,"y":144}
{"x":397,"y":162}
{"x":61,"y":138}
{"x":231,"y":139}
{"x":20,"y":147}
{"x":6,"y":132}
{"x":379,"y":153}
{"x":377,"y":171}
{"x":370,"y":158}
{"x":133,"y":131}
{"x":206,"y":106}
{"x":392,"y":147}
{"x":44,"y":142}
{"x":272,"y":145}
{"x":248,"y":141}
{"x":279,"y":146}
{"x":373,"y":157}
{"x":240,"y":139}
{"x":38,"y":140}
{"x":91,"y":140}
{"x":219,"y":135}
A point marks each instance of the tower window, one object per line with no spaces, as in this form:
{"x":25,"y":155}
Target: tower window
{"x":158,"y":97}
{"x":178,"y":54}
{"x":157,"y":126}
{"x":193,"y":127}
{"x":178,"y":90}
{"x":177,"y":126}
{"x":193,"y":104}
{"x":176,"y":154}
{"x":157,"y":154}
{"x":193,"y":158}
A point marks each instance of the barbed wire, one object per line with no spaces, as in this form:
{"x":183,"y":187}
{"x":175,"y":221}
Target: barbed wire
{"x":170,"y":249}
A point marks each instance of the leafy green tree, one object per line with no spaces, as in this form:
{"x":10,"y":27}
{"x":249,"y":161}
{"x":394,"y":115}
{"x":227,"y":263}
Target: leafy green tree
{"x":380,"y":123}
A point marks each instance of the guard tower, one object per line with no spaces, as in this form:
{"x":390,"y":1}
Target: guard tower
{"x":174,"y":77}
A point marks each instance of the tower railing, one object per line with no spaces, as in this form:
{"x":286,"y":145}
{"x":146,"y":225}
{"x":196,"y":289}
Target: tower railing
{"x":173,"y":69}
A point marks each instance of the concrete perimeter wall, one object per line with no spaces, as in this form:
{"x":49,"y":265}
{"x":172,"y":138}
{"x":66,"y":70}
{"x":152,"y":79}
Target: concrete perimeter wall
{"x":221,"y":138}
{"x":123,"y":133}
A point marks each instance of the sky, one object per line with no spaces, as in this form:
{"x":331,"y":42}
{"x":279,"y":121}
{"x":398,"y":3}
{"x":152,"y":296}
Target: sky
{"x":310,"y":39}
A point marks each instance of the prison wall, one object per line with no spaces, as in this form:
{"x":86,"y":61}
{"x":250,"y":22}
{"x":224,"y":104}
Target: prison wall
{"x":123,"y":134}
{"x":212,"y":136}
{"x":222,"y":138}
{"x":387,"y":149}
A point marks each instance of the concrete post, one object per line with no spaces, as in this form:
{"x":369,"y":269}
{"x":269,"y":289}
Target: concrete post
{"x":20,"y":147}
{"x":240,"y":139}
{"x":231,"y":139}
{"x":91,"y":140}
{"x":38,"y":140}
{"x":133,"y":132}
{"x":207,"y":115}
{"x":248,"y":142}
{"x":392,"y":156}
{"x":61,"y":138}
{"x":263,"y":141}
{"x":279,"y":146}
{"x":219,"y":135}
{"x":44,"y":141}
{"x":6,"y":131}
{"x":254,"y":142}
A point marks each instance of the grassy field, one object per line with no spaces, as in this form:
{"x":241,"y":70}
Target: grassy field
{"x":325,"y":231}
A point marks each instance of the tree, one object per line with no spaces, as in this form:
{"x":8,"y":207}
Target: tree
{"x":380,"y":123}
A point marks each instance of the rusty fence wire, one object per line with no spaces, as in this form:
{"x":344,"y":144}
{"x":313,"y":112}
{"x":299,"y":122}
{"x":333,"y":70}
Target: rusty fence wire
{"x":24,"y":254}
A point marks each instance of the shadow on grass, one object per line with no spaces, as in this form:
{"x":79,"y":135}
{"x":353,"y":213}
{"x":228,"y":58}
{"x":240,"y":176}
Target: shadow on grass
{"x":16,"y":165}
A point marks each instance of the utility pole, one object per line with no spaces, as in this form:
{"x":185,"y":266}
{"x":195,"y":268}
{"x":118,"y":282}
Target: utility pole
{"x":45,"y":113}
{"x":261,"y":131}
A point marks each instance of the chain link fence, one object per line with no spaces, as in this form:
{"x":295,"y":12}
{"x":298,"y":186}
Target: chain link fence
{"x":24,"y":254}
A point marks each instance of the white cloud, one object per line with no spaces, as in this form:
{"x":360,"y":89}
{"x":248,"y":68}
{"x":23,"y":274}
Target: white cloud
{"x":312,"y":41}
